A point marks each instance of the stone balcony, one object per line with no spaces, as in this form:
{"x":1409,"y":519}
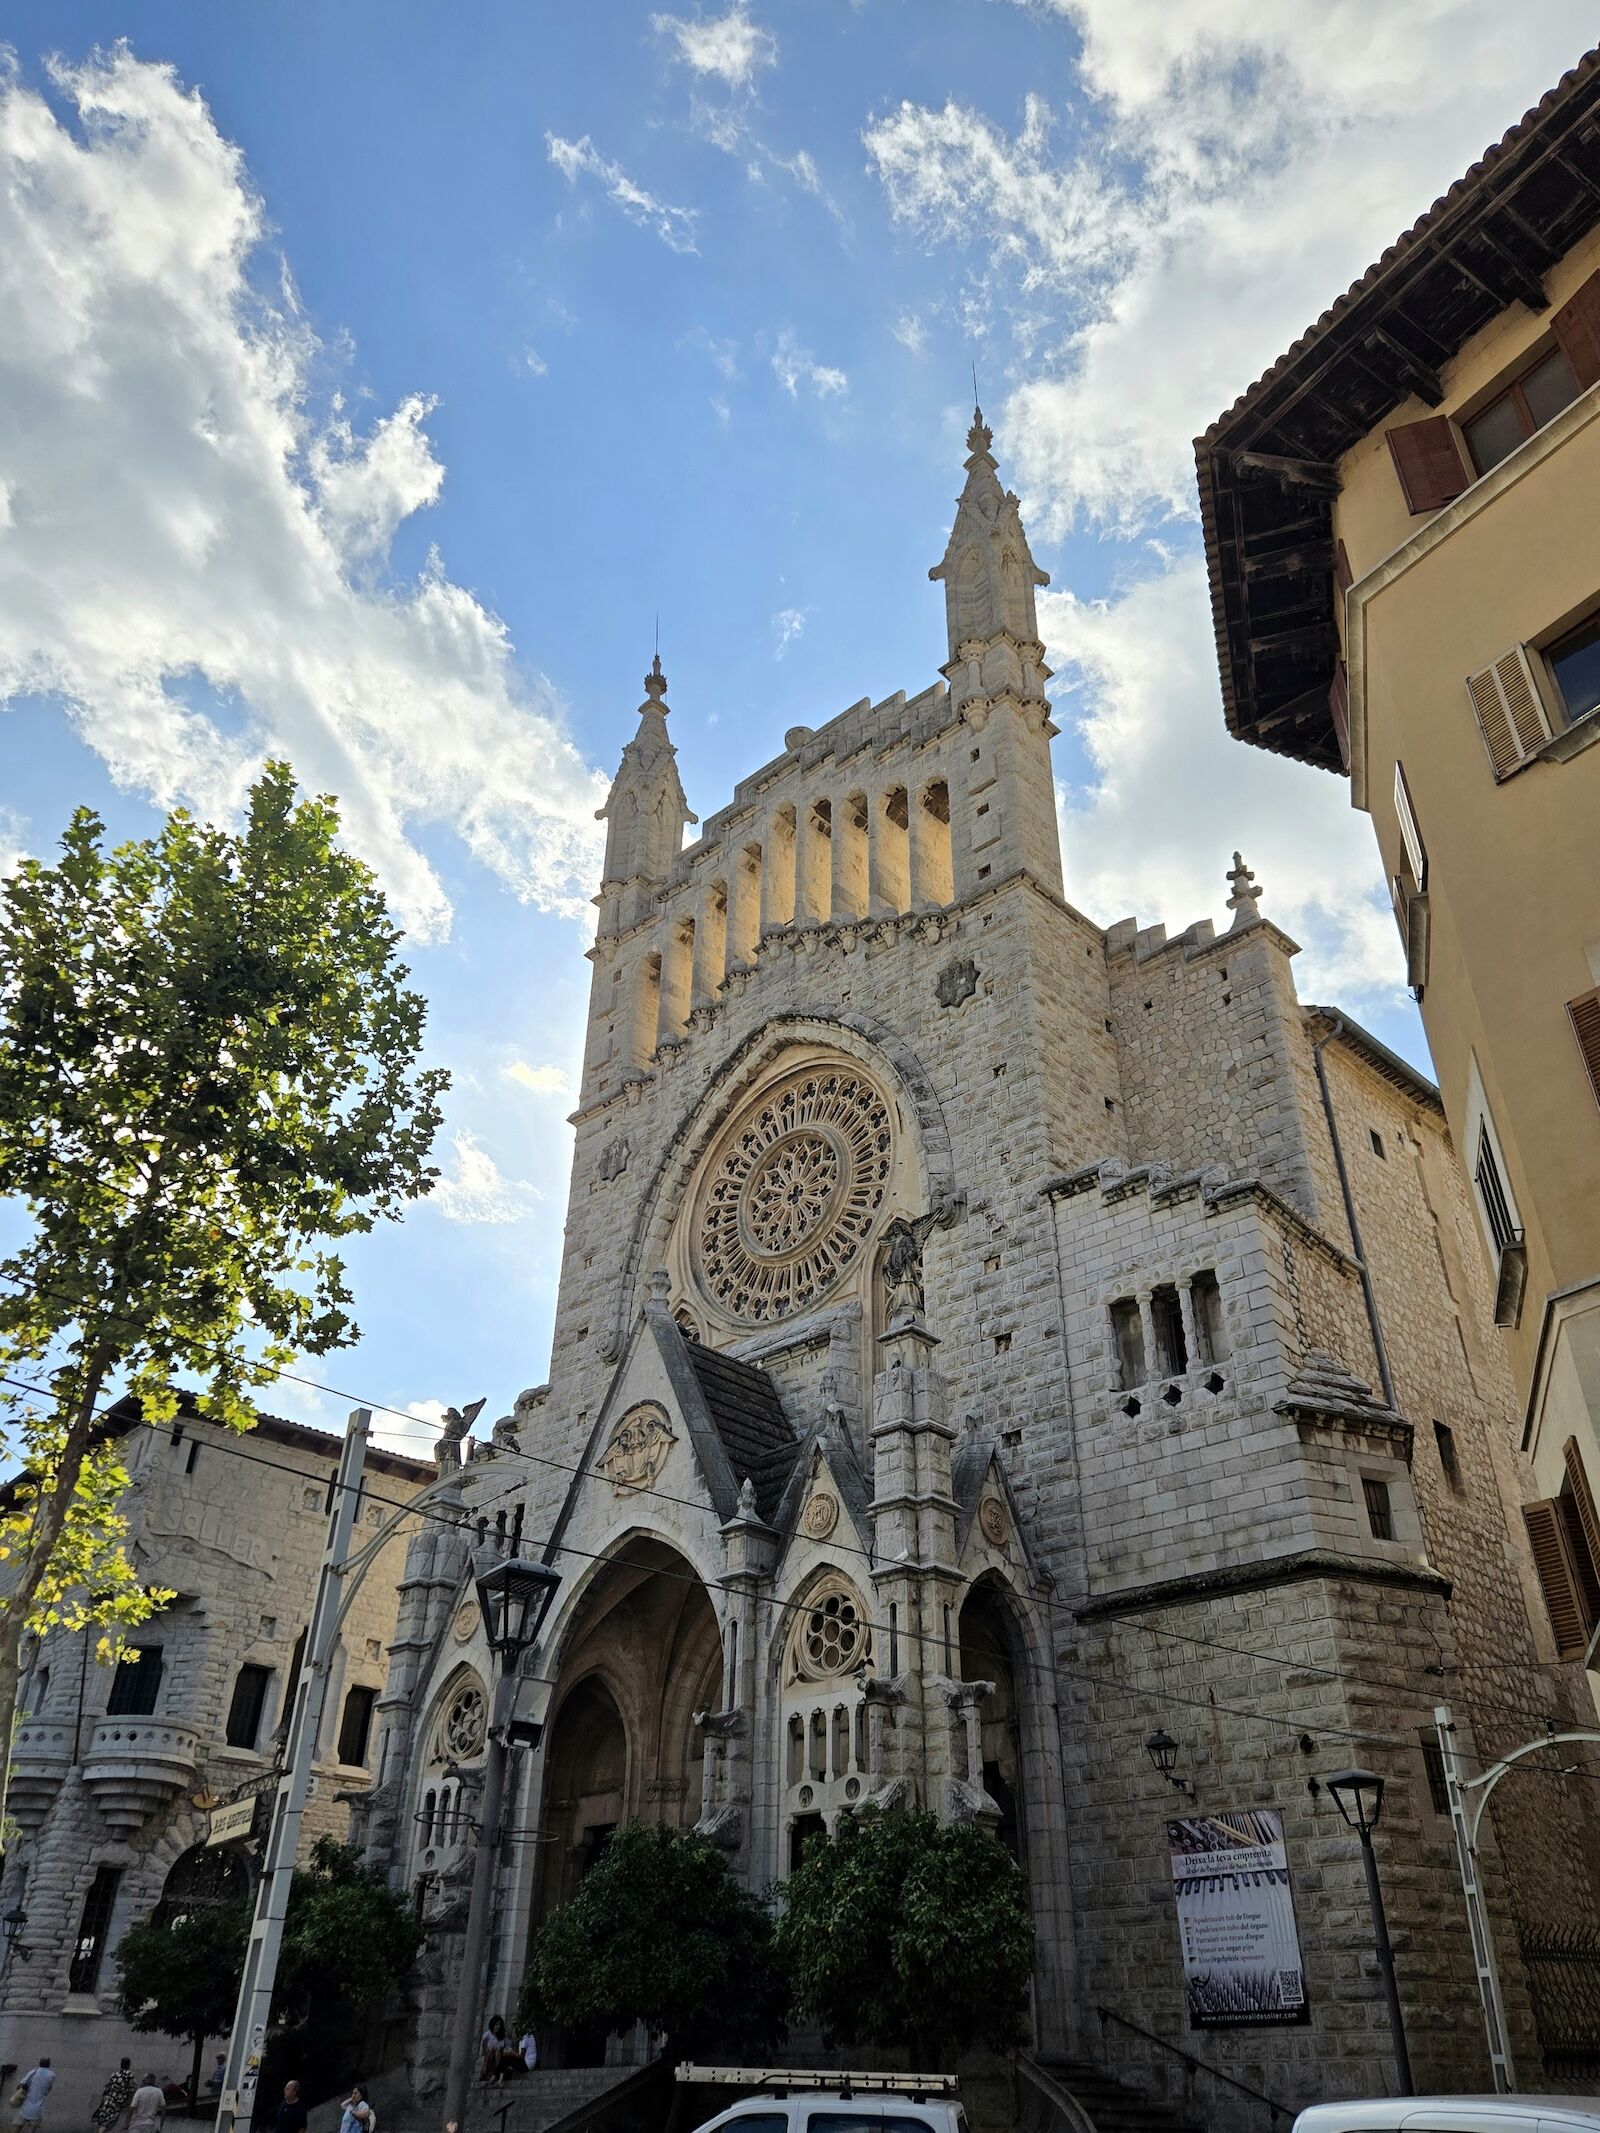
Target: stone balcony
{"x":41,"y":1756}
{"x":133,"y":1766}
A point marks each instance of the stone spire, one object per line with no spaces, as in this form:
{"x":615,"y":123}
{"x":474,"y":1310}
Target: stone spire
{"x":988,"y":571}
{"x":1246,"y":896}
{"x":645,"y":814}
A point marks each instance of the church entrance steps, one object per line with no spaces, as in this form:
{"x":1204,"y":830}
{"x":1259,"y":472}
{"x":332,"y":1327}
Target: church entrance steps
{"x":575,"y":2099}
{"x":1075,"y":2096}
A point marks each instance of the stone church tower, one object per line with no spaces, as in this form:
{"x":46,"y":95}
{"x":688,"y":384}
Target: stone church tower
{"x":986,"y":1341}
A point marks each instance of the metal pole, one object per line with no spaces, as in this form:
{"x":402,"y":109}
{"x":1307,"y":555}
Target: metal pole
{"x":254,"y":2010}
{"x":1483,"y":1956}
{"x":1391,"y":1991}
{"x":464,"y":2030}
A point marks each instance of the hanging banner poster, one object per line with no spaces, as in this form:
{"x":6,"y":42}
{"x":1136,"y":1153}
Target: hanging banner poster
{"x":1241,"y":1951}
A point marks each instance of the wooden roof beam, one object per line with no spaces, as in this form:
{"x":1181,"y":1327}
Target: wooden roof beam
{"x":1309,"y":557}
{"x":1313,"y":474}
{"x":1307,"y":639}
{"x":1421,"y":377}
{"x":1503,"y":278}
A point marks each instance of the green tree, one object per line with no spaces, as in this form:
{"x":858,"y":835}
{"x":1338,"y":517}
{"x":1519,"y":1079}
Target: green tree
{"x":208,"y":1074}
{"x":348,"y":1940}
{"x":660,"y":1933}
{"x":899,"y":1930}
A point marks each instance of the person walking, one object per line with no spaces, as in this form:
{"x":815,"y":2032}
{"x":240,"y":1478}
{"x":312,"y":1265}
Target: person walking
{"x":27,"y":2098}
{"x":115,"y":2098}
{"x":291,"y":2116}
{"x":358,"y":2115}
{"x":148,"y":2106}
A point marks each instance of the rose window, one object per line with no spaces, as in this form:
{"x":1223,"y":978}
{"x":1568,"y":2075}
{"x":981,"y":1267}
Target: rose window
{"x":831,"y":1636}
{"x":793,"y":1194}
{"x":465,"y":1722}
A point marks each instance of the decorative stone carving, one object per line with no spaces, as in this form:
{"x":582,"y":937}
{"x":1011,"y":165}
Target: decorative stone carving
{"x":994,"y":1521}
{"x":457,"y":1421}
{"x":957,"y":981}
{"x":793,"y":1193}
{"x":637,"y":1451}
{"x":466,"y":1622}
{"x":466,"y":1722}
{"x":723,"y":1827}
{"x":820,"y":1516}
{"x":831,"y":1637}
{"x":613,"y":1159}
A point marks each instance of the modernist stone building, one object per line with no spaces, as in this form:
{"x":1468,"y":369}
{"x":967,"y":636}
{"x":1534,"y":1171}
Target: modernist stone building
{"x":986,"y":1341}
{"x":139,"y":1787}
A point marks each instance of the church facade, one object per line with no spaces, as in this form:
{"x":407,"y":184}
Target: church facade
{"x":986,"y":1342}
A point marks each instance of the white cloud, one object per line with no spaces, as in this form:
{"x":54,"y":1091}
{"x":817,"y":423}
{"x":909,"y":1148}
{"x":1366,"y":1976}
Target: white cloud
{"x":415,"y":1438}
{"x":576,"y":159}
{"x":1228,"y":170}
{"x":787,"y":624}
{"x":722,"y":355}
{"x":1172,"y":794}
{"x":910,"y":332}
{"x":543,"y":1080}
{"x":196,"y":559}
{"x":476,"y":1190}
{"x":13,"y":832}
{"x":729,"y":47}
{"x":722,"y":411}
{"x":794,"y":366}
{"x":532,"y":364}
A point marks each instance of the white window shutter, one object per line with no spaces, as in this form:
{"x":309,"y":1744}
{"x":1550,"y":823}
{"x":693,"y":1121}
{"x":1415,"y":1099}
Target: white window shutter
{"x":1510,"y":710}
{"x":1408,"y":829}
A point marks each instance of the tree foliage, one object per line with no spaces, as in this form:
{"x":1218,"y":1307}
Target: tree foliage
{"x":348,"y":1939}
{"x":897,"y":1930}
{"x":208,"y":1075}
{"x":660,"y":1933}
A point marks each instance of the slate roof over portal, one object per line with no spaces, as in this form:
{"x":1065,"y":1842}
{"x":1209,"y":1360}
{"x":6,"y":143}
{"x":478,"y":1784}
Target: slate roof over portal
{"x":748,"y":1416}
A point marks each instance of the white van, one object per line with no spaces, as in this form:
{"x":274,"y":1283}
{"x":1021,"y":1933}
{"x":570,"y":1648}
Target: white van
{"x":785,"y":2099}
{"x":1455,"y":2114}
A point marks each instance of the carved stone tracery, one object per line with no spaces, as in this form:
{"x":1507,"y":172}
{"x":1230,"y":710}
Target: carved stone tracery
{"x":793,"y":1193}
{"x":832,"y":1636}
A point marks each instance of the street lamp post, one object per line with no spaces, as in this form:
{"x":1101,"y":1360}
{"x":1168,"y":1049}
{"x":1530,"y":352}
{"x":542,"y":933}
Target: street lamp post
{"x":14,"y":1923}
{"x":514,"y":1595}
{"x":1358,"y":1795}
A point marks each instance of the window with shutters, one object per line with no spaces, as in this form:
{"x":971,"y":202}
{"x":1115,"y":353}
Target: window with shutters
{"x":1564,"y":1597}
{"x":1492,"y":1191}
{"x":1585,"y":1014}
{"x":1427,"y":458}
{"x":249,"y":1700}
{"x":1510,"y":710}
{"x":1581,"y":1524}
{"x":136,"y":1683}
{"x":1497,"y":1207}
{"x":1535,"y":396}
{"x":1574,"y":662}
{"x":1433,"y":1766}
{"x":94,"y":1925}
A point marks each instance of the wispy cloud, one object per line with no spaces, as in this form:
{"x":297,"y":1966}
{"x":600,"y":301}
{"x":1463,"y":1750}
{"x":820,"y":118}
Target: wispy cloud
{"x":476,"y":1190}
{"x":530,"y":363}
{"x":722,"y":355}
{"x":730,"y":48}
{"x":197,"y":560}
{"x":13,"y":832}
{"x":581,"y":159}
{"x":543,"y":1080}
{"x":794,"y":366}
{"x":787,"y":624}
{"x":910,"y":332}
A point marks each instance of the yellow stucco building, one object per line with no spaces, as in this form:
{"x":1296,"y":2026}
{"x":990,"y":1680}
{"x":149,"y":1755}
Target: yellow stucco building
{"x":1402,"y":525}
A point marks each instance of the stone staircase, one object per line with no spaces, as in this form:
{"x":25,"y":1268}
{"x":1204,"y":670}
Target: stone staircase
{"x":543,"y":2098}
{"x":1075,"y":2096}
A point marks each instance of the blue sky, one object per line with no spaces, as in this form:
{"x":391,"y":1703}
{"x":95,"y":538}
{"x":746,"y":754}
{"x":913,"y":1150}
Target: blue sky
{"x":373,"y":376}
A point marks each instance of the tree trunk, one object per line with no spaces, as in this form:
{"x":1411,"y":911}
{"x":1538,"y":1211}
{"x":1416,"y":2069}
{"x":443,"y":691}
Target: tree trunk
{"x":50,"y":1518}
{"x":194,"y":2076}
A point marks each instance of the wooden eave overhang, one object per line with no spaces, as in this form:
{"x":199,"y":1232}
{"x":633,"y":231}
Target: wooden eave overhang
{"x":1268,"y":468}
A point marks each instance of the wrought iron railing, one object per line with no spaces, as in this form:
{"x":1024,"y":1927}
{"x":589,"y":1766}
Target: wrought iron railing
{"x":1563,"y":1971}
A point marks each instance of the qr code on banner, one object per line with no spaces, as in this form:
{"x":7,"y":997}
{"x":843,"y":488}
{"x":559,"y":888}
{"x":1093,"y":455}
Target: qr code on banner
{"x":1290,"y":1986}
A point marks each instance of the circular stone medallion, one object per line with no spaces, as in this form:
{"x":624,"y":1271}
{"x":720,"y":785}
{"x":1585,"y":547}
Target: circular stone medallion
{"x":993,"y":1519}
{"x":466,"y":1622}
{"x":820,"y":1516}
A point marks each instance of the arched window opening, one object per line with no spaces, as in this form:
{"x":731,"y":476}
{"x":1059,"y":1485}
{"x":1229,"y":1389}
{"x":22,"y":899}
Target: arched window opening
{"x":989,"y":1653}
{"x":850,"y":858}
{"x":891,"y":854}
{"x":425,"y":1821}
{"x":814,"y":871}
{"x":777,"y":877}
{"x":646,"y":1009}
{"x":711,"y":945}
{"x":797,"y":1749}
{"x":1210,"y":1328}
{"x":932,"y":869}
{"x":677,"y":976}
{"x":744,"y":913}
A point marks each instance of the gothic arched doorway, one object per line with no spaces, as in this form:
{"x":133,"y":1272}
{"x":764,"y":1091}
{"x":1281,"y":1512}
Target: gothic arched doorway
{"x":989,"y":1653}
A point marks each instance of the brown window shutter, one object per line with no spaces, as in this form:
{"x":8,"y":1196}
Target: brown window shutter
{"x":1410,"y":835}
{"x":1577,"y":330}
{"x":1588,"y":1525}
{"x":1585,"y":1013}
{"x":1428,"y":461}
{"x":1339,"y":711}
{"x":1563,"y":1597}
{"x":1510,"y":710}
{"x":1416,"y":931}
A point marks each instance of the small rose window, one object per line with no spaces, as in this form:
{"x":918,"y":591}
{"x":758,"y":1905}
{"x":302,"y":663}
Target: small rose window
{"x":465,"y":1721}
{"x":832,"y":1636}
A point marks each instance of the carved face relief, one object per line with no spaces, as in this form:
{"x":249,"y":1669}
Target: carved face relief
{"x":792,"y":1194}
{"x":637,"y":1451}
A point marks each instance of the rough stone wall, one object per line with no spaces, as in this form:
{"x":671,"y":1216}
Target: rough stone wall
{"x":240,"y":1534}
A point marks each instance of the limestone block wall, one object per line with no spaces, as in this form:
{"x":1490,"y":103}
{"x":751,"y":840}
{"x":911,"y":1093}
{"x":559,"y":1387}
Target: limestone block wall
{"x":237,"y":1526}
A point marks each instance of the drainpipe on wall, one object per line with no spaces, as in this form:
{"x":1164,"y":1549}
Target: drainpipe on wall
{"x":1356,"y":1246}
